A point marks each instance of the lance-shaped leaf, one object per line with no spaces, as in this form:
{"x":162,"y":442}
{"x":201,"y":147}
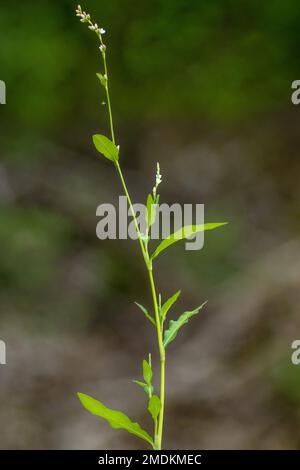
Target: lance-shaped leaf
{"x":154,"y":406}
{"x":147,"y":389}
{"x":168,"y":304}
{"x":116,"y":419}
{"x":103,"y":79}
{"x":145,"y":312}
{"x":147,"y":372}
{"x":139,"y":383}
{"x":184,"y":232}
{"x":174,"y":326}
{"x":106,"y":147}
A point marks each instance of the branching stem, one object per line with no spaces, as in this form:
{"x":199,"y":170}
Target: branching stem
{"x":158,"y":428}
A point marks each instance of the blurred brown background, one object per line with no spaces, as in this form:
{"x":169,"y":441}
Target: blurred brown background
{"x":204,"y":88}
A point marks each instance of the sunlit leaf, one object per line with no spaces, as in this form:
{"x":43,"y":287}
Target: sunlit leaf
{"x":116,"y":419}
{"x":184,"y":232}
{"x":174,"y":326}
{"x":106,"y":147}
{"x":154,"y":406}
{"x":145,"y":312}
{"x":141,"y":384}
{"x":102,"y":78}
{"x":168,"y":304}
{"x":147,"y":372}
{"x":147,"y":389}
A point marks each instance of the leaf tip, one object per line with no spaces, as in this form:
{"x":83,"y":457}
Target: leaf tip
{"x":80,"y":396}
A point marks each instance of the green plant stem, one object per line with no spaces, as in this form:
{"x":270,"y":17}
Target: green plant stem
{"x":144,"y":253}
{"x":108,"y":101}
{"x":158,"y":436}
{"x":158,"y":428}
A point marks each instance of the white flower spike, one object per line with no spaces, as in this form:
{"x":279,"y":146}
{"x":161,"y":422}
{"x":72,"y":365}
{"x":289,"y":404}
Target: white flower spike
{"x":158,"y":175}
{"x":158,"y":180}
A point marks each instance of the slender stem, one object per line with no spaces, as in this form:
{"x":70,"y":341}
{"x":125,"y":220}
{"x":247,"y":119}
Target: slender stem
{"x":144,"y":253}
{"x":158,"y":426}
{"x":158,"y":437}
{"x":108,"y":100}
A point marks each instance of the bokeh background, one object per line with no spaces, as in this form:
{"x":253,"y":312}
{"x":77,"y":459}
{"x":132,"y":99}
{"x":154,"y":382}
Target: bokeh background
{"x":204,"y":87}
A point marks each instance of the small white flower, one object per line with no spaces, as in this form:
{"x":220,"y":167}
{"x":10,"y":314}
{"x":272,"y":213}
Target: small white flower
{"x":79,"y":11}
{"x":158,"y":178}
{"x":102,"y":47}
{"x":102,"y":31}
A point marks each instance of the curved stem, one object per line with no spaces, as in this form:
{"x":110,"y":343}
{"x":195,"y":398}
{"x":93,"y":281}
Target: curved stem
{"x":144,"y":253}
{"x":158,"y":427}
{"x":108,"y":101}
{"x":158,"y":436}
{"x":148,"y":262}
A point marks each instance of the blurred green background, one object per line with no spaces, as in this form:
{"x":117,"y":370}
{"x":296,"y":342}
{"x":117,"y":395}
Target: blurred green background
{"x":204,"y":87}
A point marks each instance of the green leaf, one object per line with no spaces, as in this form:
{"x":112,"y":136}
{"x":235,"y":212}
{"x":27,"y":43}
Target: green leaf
{"x":147,"y":389}
{"x":151,"y":211}
{"x":168,"y":304}
{"x":102,"y":78}
{"x":141,"y":384}
{"x":106,"y":147}
{"x":145,"y":312}
{"x":174,"y":326}
{"x":116,"y":419}
{"x":147,"y":372}
{"x":154,"y":407}
{"x":184,"y":232}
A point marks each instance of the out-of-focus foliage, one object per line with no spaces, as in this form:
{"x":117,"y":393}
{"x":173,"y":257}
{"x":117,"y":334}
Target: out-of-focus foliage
{"x":220,"y":59}
{"x":203,"y":87}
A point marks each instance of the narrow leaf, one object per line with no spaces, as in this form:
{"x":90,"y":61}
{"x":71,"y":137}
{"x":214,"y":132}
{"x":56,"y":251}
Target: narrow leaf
{"x":147,"y":389}
{"x":147,"y":372}
{"x":184,"y":232}
{"x":102,"y":78}
{"x":106,"y":147}
{"x":145,"y":312}
{"x":141,"y":384}
{"x":154,"y":407}
{"x":174,"y":326}
{"x":116,"y":419}
{"x":168,"y":304}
